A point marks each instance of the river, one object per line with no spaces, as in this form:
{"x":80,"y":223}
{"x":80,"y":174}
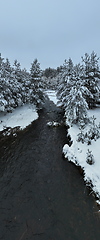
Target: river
{"x":43,"y":196}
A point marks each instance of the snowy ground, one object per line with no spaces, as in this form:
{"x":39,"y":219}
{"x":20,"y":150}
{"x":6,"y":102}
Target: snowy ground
{"x":21,"y":116}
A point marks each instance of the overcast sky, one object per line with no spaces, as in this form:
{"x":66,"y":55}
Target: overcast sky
{"x":49,"y":30}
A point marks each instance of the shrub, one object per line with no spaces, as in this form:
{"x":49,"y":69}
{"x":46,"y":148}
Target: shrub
{"x":90,"y":157}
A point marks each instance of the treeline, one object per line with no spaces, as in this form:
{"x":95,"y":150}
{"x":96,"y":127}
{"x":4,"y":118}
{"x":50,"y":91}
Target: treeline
{"x":77,"y":85}
{"x":17,"y":86}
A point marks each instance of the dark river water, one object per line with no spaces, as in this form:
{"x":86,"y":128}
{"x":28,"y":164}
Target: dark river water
{"x":42,"y":196}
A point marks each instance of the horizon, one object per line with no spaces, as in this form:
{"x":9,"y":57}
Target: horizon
{"x":28,"y":69}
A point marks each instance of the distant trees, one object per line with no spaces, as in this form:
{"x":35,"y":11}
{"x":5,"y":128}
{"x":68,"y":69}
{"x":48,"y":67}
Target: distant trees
{"x":50,"y":72}
{"x":49,"y":76}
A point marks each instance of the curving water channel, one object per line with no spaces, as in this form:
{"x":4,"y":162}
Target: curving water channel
{"x":43,"y":197}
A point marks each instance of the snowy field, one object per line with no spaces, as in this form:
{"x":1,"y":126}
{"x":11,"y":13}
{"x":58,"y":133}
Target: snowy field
{"x":21,"y":116}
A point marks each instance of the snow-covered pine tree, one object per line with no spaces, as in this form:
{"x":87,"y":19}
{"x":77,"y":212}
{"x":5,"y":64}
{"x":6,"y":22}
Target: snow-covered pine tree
{"x":26,"y":86}
{"x":76,"y":105}
{"x":1,"y":65}
{"x":61,"y":89}
{"x":7,"y":69}
{"x":92,"y":77}
{"x":16,"y":69}
{"x":66,"y":81}
{"x":36,"y":93}
{"x":75,"y":101}
{"x":16,"y":85}
{"x":3,"y":86}
{"x":8,"y":79}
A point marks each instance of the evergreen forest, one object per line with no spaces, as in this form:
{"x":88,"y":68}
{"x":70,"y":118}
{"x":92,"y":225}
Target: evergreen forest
{"x":77,"y":85}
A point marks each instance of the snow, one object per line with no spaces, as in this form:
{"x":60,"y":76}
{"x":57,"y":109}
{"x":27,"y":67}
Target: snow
{"x":77,"y":153}
{"x":53,"y":124}
{"x":21,"y":116}
{"x":52,"y":96}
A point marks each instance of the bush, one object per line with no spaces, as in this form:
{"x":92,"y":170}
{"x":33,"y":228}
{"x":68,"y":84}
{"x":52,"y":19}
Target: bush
{"x":92,"y":134}
{"x":90,"y":157}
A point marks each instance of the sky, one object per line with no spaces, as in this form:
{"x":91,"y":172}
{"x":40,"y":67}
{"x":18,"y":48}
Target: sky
{"x":49,"y":30}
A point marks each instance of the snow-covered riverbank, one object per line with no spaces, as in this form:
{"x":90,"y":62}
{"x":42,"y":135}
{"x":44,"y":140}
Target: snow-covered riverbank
{"x":77,"y":153}
{"x":21,"y":116}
